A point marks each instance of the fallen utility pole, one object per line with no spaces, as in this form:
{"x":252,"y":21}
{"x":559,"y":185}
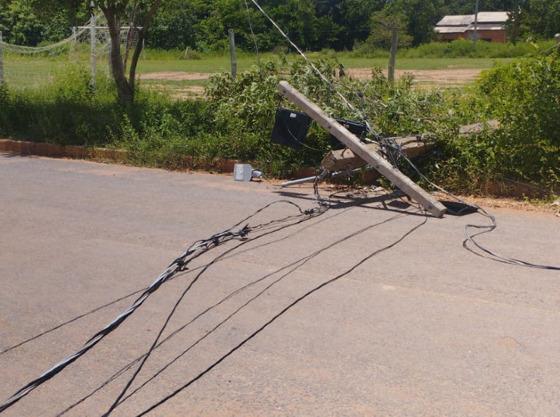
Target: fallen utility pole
{"x":345,"y":159}
{"x":344,"y":162}
{"x":380,"y":164}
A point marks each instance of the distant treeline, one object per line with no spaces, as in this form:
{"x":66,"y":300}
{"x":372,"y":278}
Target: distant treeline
{"x":313,"y":24}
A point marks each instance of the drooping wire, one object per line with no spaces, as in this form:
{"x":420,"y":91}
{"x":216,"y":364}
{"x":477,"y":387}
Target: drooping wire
{"x":31,"y":50}
{"x":176,"y":306}
{"x":196,"y":250}
{"x":471,"y":238}
{"x":294,"y":267}
{"x":317,"y":70}
{"x":255,"y":42}
{"x":117,"y":300}
{"x":72,"y":320}
{"x":129,"y":365}
{"x":279,"y":315}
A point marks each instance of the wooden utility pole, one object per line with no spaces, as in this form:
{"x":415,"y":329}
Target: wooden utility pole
{"x":393,"y":57}
{"x":380,"y":164}
{"x":476,"y":9}
{"x":233,"y":53}
{"x":1,"y":61}
{"x":93,"y":47}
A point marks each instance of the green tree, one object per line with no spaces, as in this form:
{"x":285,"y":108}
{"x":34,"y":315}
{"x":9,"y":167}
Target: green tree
{"x":541,"y":17}
{"x":20,"y":24}
{"x":421,"y":17}
{"x":140,"y":14}
{"x":383,"y":23}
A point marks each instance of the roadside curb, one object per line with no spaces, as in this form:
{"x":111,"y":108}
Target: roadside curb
{"x":498,"y":189}
{"x":23,"y":148}
{"x":121,"y":156}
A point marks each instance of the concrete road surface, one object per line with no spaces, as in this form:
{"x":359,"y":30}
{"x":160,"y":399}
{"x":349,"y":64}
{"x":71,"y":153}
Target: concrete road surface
{"x":422,"y":329}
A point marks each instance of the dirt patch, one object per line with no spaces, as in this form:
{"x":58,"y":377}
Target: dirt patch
{"x":179,"y":93}
{"x":175,"y":76}
{"x":446,"y":77}
{"x":510,"y":204}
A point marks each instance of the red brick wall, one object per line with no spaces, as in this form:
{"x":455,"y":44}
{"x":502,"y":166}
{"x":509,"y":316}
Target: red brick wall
{"x":498,"y":36}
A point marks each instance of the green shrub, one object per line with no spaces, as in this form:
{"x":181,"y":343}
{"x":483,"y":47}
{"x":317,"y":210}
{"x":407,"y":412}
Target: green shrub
{"x":236,"y":119}
{"x":524,"y":96}
{"x":457,"y":49}
{"x":70,"y":112}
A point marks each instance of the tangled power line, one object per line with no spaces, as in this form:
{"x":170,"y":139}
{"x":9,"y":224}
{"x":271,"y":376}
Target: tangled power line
{"x":395,"y":153}
{"x":197,"y":249}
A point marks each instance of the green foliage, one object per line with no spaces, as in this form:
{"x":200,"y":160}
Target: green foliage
{"x":19,"y":24}
{"x":237,"y":117}
{"x":69,"y":112}
{"x":420,"y":17}
{"x":466,"y":49}
{"x":524,"y":96}
{"x":313,"y":24}
{"x":383,"y":24}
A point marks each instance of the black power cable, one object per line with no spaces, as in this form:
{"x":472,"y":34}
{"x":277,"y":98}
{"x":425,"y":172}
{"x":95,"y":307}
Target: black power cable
{"x":277,"y":316}
{"x":294,"y":267}
{"x":320,"y":209}
{"x":180,"y":264}
{"x":128,"y":366}
{"x":470,"y":243}
{"x":125,"y":297}
{"x":72,"y":320}
{"x":486,"y":253}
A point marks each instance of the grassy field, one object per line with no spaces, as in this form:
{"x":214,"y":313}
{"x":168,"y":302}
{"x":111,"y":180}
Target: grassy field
{"x":22,"y":72}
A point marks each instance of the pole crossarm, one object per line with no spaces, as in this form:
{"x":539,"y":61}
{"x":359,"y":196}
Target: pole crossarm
{"x":380,"y":164}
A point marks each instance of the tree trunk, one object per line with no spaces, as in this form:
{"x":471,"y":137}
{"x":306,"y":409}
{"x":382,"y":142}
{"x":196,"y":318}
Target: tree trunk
{"x":135,"y":59}
{"x":126,"y":87}
{"x":124,"y":91}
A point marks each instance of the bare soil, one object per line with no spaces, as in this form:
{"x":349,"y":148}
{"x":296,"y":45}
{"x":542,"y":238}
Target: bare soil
{"x":441,"y":77}
{"x":446,"y":77}
{"x":175,"y":76}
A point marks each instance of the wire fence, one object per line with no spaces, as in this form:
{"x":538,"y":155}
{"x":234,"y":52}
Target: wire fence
{"x":88,"y":46}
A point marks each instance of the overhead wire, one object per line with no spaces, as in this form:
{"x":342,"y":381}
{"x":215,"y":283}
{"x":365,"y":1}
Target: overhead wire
{"x":294,"y":267}
{"x":277,"y":316}
{"x":194,"y":251}
{"x":31,"y":50}
{"x":314,"y":68}
{"x":125,"y":368}
{"x":253,"y":35}
{"x":394,"y":153}
{"x":320,"y":208}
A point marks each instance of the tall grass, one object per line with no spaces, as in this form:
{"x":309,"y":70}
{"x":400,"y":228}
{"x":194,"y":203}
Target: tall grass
{"x":459,"y":49}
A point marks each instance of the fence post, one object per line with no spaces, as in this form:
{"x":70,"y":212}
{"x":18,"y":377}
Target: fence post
{"x":109,"y":62}
{"x":393,"y":57}
{"x":476,"y":10}
{"x":74,"y":42}
{"x":93,"y":45}
{"x":1,"y":61}
{"x":233,"y":53}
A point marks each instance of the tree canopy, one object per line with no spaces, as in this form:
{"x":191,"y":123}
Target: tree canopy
{"x":313,"y":24}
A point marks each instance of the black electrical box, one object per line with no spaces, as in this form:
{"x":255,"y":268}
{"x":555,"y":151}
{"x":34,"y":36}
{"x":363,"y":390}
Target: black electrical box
{"x":290,"y":128}
{"x":357,"y":128}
